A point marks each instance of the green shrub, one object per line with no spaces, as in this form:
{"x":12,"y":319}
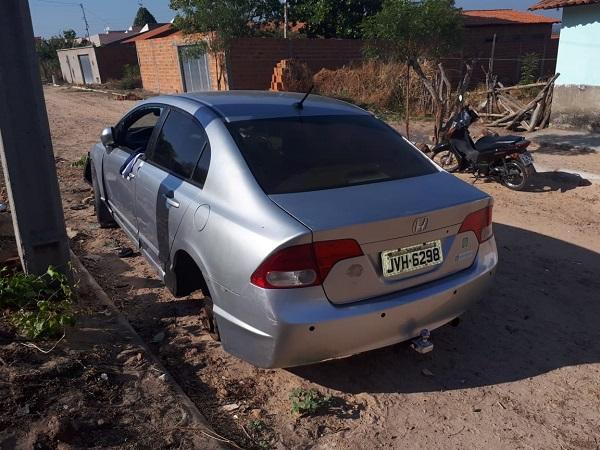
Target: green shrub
{"x":131,"y":78}
{"x":261,"y":434}
{"x":80,"y":162}
{"x":308,"y":401}
{"x":37,"y":306}
{"x":530,"y":68}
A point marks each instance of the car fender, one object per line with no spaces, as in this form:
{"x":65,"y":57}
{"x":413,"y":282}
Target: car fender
{"x":182,"y":243}
{"x":96,"y":158}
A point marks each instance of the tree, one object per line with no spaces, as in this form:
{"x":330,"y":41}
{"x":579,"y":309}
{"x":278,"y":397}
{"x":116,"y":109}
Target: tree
{"x":46,"y":51}
{"x":410,"y":32}
{"x":333,"y":18}
{"x":143,"y":17}
{"x":221,"y":21}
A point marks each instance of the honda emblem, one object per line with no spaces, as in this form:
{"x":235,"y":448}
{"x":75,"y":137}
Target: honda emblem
{"x":420,"y":224}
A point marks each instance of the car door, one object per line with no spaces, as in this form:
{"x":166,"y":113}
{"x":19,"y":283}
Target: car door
{"x":168,"y":183}
{"x":132,"y":135}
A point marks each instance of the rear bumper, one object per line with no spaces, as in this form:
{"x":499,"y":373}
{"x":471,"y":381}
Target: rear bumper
{"x":303,"y":331}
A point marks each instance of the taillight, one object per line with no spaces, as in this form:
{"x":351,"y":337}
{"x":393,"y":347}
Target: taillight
{"x":480,"y":223}
{"x":328,"y":253}
{"x":303,"y":265}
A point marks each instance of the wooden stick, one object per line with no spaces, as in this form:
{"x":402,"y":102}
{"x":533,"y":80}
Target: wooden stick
{"x":510,"y":88}
{"x":491,"y":115}
{"x":536,"y":115}
{"x":519,"y":115}
{"x":514,"y":104}
{"x":548,"y":111}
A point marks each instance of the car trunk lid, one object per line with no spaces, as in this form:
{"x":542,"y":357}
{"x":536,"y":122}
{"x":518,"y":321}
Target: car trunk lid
{"x":388,"y":216}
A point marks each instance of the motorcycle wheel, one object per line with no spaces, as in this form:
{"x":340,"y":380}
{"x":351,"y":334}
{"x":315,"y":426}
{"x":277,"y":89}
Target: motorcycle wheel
{"x":516,"y":175}
{"x":448,"y":159}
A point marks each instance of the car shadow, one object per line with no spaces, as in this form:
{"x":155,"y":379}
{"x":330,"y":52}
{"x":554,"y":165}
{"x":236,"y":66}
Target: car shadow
{"x":555,"y":181}
{"x":541,"y":314}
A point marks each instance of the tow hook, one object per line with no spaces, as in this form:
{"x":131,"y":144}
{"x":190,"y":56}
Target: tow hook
{"x":422,"y":344}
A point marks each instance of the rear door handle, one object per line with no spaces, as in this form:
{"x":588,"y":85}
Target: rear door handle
{"x":171,"y":201}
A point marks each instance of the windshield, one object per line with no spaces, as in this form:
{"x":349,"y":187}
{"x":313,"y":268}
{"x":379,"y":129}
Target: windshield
{"x":298,"y":154}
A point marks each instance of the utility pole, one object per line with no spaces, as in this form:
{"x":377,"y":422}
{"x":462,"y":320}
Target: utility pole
{"x":26,"y":147}
{"x":87,"y":27}
{"x":285,"y":18}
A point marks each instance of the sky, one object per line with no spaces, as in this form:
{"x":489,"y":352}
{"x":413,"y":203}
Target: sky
{"x":50,"y":17}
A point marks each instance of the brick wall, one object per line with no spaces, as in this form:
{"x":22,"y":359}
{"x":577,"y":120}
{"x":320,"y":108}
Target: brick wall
{"x":113,"y":58}
{"x":160,"y":66}
{"x":512,"y":43}
{"x":250,"y":61}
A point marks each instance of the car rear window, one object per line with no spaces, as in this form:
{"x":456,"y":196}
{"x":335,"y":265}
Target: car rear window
{"x":308,"y":153}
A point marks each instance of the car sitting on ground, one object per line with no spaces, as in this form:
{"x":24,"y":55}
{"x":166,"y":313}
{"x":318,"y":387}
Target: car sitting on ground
{"x":313,"y":229}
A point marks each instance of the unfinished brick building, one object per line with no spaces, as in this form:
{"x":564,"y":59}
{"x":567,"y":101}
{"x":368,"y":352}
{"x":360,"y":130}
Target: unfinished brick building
{"x":167,"y":68}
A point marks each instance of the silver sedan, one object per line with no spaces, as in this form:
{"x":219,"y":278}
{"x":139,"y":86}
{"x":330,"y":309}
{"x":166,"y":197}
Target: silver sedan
{"x":313,"y":229}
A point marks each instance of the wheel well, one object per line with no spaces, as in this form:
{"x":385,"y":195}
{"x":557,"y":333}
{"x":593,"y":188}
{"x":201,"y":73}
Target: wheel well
{"x":187,"y":276}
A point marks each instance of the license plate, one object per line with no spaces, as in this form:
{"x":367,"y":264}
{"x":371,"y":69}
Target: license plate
{"x":526,"y":158}
{"x":408,"y":259}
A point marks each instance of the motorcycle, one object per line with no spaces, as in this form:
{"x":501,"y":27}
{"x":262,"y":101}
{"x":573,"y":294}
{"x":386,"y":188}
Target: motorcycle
{"x":502,"y":158}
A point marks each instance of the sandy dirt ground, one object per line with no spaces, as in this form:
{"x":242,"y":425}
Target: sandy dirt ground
{"x":97,"y":387}
{"x":522,"y":370}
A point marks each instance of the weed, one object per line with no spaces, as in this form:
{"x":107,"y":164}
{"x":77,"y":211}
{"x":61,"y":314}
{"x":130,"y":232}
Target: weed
{"x":80,"y":162}
{"x":131,"y":78}
{"x":261,"y":434}
{"x":530,"y":68}
{"x":38,"y":306}
{"x":308,"y":401}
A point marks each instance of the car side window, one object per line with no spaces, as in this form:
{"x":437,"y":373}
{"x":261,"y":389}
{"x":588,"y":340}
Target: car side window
{"x":179,"y":145}
{"x":136,"y":129}
{"x":201,"y":171}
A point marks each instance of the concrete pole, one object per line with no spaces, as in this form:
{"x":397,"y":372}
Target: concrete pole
{"x":26,"y":147}
{"x":285,"y":18}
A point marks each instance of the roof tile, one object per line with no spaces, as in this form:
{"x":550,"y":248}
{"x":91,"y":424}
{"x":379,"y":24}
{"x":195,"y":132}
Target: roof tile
{"x":551,"y":4}
{"x":480,"y":17}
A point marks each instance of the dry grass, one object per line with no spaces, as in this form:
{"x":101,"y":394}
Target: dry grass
{"x":375,"y":85}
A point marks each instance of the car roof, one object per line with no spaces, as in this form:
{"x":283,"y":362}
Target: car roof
{"x":245,"y":105}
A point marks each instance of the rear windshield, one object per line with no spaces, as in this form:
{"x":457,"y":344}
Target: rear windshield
{"x":298,"y":154}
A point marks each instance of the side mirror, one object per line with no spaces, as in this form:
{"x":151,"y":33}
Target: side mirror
{"x":107,"y":138}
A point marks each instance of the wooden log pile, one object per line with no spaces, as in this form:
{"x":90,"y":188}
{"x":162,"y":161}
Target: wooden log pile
{"x":508,"y":112}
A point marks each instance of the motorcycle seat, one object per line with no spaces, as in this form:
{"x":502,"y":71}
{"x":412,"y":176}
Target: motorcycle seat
{"x":490,"y":143}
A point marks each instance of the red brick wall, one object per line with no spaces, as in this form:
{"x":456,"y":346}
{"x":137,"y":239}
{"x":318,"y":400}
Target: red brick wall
{"x":512,"y":43}
{"x":112,"y":58}
{"x":159,"y":63}
{"x":250,"y":61}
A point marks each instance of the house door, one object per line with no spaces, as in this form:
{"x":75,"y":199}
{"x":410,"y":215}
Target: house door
{"x":194,"y":69}
{"x":86,"y":69}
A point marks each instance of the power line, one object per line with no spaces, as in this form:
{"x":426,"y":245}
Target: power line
{"x":87,"y":26}
{"x":56,"y":2}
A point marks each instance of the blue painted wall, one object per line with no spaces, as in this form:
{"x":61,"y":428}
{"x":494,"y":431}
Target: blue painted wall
{"x":579,"y":46}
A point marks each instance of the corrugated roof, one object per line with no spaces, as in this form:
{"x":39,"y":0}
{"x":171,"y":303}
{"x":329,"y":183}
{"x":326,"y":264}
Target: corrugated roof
{"x":163,"y":30}
{"x":552,"y":4}
{"x":481,"y":17}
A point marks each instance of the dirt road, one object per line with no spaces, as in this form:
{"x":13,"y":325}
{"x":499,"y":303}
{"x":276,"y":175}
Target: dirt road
{"x":521,"y":371}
